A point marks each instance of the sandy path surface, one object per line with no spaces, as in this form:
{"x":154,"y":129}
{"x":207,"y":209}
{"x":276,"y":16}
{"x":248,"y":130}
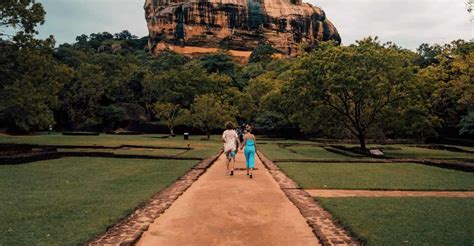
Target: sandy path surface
{"x":377,"y":193}
{"x":223,"y":210}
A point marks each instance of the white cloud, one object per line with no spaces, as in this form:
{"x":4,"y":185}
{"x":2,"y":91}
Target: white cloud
{"x":408,"y":23}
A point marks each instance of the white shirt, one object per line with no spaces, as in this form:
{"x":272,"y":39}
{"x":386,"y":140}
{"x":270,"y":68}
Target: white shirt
{"x":230,"y":138}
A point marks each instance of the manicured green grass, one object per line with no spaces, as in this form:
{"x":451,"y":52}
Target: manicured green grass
{"x":417,"y":152}
{"x":296,"y":151}
{"x":317,"y":152}
{"x":406,"y":221}
{"x":139,"y":151}
{"x":273,"y":151}
{"x":398,"y":176}
{"x":201,"y":152}
{"x":71,"y":200}
{"x":102,"y":140}
{"x":110,"y":140}
{"x":200,"y":148}
{"x":409,"y":151}
{"x":283,"y":141}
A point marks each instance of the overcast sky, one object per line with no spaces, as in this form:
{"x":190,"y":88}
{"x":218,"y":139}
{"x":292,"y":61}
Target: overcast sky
{"x":408,"y":23}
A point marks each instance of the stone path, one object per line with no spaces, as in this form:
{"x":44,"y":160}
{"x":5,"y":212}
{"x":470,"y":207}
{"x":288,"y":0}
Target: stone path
{"x":222,"y":210}
{"x":128,"y":230}
{"x":327,"y":229}
{"x":381,"y":193}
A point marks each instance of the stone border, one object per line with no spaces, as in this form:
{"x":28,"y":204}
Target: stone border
{"x":326,"y":229}
{"x":128,"y":231}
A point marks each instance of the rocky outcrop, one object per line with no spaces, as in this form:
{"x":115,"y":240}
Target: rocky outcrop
{"x":202,"y":26}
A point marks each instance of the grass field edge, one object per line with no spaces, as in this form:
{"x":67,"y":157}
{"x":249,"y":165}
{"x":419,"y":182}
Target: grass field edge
{"x":134,"y":224}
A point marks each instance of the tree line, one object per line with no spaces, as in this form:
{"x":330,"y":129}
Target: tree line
{"x":106,"y":81}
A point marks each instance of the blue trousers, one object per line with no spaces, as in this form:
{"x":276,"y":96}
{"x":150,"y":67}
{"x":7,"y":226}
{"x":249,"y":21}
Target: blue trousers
{"x":250,"y":156}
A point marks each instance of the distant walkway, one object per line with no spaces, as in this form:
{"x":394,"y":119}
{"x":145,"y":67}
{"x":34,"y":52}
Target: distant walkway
{"x":382,"y":193}
{"x":223,"y":210}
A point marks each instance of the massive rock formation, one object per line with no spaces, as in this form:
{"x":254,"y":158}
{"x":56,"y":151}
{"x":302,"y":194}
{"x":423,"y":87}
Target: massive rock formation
{"x":202,"y":26}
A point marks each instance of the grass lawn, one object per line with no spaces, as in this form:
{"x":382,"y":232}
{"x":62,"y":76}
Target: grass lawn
{"x":134,"y":151}
{"x":317,"y":152}
{"x":417,"y":152}
{"x":284,"y":141}
{"x":406,"y":221}
{"x":200,"y":148}
{"x":70,"y":200}
{"x":398,"y":176}
{"x":408,"y":151}
{"x":112,"y":140}
{"x":273,"y":151}
{"x":202,"y":152}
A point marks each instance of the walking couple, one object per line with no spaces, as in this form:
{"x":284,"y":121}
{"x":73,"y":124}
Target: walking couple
{"x":232,"y":143}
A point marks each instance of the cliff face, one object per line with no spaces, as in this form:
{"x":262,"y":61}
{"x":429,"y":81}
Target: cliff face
{"x":202,"y":26}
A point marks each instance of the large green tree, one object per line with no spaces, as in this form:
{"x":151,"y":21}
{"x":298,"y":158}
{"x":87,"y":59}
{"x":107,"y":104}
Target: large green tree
{"x":210,"y":112}
{"x":467,"y":124}
{"x":270,"y":110}
{"x":30,"y":78}
{"x":356,"y":84}
{"x":453,"y":77}
{"x":223,"y":63}
{"x":168,"y":113}
{"x":182,"y":84}
{"x":23,"y":16}
{"x":30,"y":82}
{"x":82,"y":94}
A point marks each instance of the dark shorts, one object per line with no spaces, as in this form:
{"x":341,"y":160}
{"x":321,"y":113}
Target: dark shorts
{"x":231,"y":154}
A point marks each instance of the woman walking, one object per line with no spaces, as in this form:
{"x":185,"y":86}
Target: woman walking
{"x":231,"y":143}
{"x":250,"y":149}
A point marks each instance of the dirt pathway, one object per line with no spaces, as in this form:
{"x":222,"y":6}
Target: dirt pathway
{"x":381,"y":193}
{"x":222,"y":210}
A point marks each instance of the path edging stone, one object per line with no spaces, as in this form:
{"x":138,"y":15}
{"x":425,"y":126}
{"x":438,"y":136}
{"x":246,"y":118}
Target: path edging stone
{"x":324,"y":226}
{"x":128,"y":231}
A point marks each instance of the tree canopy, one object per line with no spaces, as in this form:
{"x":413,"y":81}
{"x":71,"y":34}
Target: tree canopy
{"x":104,"y":81}
{"x":358,"y":84}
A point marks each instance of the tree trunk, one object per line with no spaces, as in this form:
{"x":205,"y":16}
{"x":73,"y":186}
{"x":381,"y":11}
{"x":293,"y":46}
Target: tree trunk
{"x":148,"y":113}
{"x":208,"y":132}
{"x":362,"y":142}
{"x":171,"y":128}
